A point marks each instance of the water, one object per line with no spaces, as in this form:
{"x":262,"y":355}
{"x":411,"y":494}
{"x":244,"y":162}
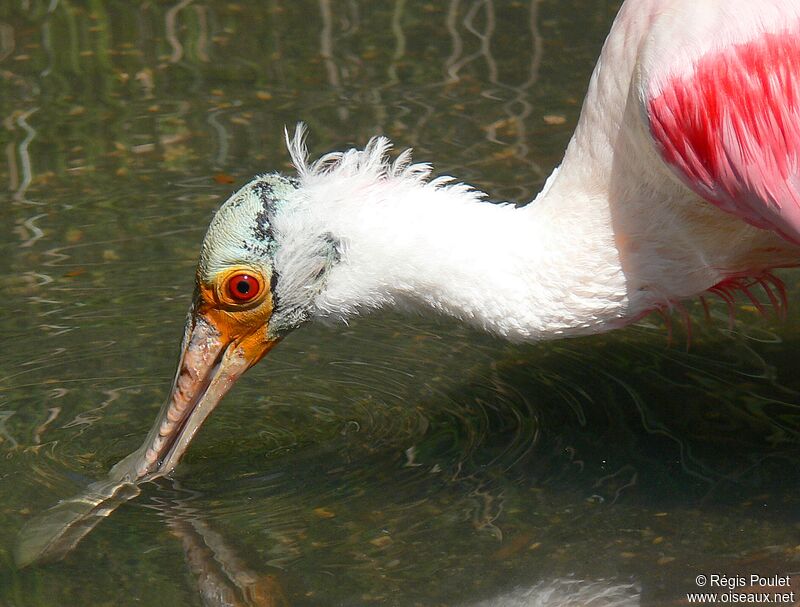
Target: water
{"x":397,"y":461}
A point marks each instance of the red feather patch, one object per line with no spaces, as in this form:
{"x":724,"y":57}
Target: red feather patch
{"x":732,"y":130}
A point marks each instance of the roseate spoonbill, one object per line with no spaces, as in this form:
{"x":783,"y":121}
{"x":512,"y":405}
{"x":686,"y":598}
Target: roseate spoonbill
{"x":682,"y":177}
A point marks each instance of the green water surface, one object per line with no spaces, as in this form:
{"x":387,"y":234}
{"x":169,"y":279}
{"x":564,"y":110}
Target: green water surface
{"x":395,"y":461}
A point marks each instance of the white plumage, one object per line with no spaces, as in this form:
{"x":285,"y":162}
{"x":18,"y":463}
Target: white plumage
{"x":615,"y":233}
{"x":405,"y":240}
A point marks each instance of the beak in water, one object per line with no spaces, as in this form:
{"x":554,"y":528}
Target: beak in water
{"x":227,"y":332}
{"x":218,"y":347}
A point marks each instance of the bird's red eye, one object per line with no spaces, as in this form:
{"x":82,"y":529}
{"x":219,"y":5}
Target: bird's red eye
{"x":243,"y":287}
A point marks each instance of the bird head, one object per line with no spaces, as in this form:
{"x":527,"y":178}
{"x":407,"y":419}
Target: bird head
{"x":266,"y":266}
{"x":236,"y":317}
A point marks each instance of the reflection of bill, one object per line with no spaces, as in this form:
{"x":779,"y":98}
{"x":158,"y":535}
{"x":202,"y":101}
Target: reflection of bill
{"x":218,"y":582}
{"x":52,"y":534}
{"x":221,"y":576}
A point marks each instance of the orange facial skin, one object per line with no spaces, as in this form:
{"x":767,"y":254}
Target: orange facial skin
{"x":224,"y":337}
{"x":241,"y":324}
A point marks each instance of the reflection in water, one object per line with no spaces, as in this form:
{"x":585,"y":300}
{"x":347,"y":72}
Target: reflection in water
{"x":396,"y":462}
{"x":21,"y":183}
{"x":568,"y":593}
{"x":56,"y":532}
{"x":222,"y":578}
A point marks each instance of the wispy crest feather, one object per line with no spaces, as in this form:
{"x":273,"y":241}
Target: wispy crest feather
{"x":372,"y":162}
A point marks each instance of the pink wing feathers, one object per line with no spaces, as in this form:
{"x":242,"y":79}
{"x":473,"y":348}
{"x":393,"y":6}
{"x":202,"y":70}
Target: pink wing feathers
{"x":729,"y":124}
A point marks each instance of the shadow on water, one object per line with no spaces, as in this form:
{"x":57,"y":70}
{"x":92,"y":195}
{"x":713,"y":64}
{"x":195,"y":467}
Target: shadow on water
{"x":516,"y":473}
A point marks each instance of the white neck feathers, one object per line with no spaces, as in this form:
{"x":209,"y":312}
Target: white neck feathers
{"x":406,"y":241}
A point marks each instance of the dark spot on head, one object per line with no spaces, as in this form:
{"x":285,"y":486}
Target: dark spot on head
{"x":256,"y":247}
{"x":264,"y":190}
{"x":235,"y":202}
{"x":262,"y":230}
{"x":273,"y":283}
{"x":334,"y":246}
